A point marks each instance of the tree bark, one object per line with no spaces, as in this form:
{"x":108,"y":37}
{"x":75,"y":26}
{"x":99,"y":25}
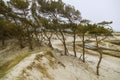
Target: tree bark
{"x":3,"y":41}
{"x":83,"y":41}
{"x":100,"y":59}
{"x":74,"y":46}
{"x":30,"y":42}
{"x":65,"y":48}
{"x":100,"y":55}
{"x":64,"y":43}
{"x":50,"y":44}
{"x":21,"y":42}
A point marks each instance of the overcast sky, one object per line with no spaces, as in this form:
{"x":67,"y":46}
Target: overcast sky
{"x":99,"y":10}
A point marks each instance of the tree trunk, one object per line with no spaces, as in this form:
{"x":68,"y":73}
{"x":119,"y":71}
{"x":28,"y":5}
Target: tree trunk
{"x":100,"y":59}
{"x":21,"y":42}
{"x":65,"y":48}
{"x":83,"y":41}
{"x":50,"y":44}
{"x":100,"y":55}
{"x":39,"y":43}
{"x":64,"y":43}
{"x":30,"y":42}
{"x":2,"y":38}
{"x":19,"y":36}
{"x":3,"y":41}
{"x":74,"y":47}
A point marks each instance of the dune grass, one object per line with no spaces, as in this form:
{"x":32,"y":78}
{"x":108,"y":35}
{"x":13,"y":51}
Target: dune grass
{"x":4,"y":69}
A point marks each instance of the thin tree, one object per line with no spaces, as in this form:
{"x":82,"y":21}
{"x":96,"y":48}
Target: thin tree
{"x":73,"y":16}
{"x":100,"y":34}
{"x":82,"y":30}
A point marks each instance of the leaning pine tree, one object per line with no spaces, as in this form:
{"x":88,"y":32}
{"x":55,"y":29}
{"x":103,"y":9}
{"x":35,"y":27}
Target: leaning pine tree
{"x":100,"y":33}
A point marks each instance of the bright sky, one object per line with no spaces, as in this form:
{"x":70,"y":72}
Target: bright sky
{"x":99,"y":10}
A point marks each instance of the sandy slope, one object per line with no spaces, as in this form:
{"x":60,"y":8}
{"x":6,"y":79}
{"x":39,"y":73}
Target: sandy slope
{"x":44,"y":66}
{"x":109,"y":68}
{"x":16,"y":71}
{"x":62,"y":68}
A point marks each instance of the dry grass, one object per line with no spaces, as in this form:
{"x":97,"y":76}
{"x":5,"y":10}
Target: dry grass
{"x":112,"y":53}
{"x":116,"y":42}
{"x":41,"y":68}
{"x":52,"y":59}
{"x":4,"y":68}
{"x":44,"y":71}
{"x":38,"y":57}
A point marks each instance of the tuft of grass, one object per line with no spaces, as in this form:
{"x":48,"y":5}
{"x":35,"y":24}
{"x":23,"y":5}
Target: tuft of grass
{"x":38,"y":57}
{"x":112,"y":53}
{"x":49,"y":53}
{"x":4,"y":69}
{"x":116,"y":42}
{"x":44,"y":71}
{"x":50,"y":56}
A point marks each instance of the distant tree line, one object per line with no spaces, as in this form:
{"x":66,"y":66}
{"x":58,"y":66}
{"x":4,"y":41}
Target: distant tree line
{"x":33,"y":21}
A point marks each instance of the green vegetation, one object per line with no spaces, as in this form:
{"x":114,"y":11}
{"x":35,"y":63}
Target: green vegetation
{"x":6,"y":67}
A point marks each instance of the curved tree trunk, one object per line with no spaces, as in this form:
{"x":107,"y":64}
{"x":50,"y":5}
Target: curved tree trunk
{"x":64,"y":43}
{"x":49,"y":43}
{"x":48,"y":36}
{"x":100,"y":55}
{"x":100,"y":59}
